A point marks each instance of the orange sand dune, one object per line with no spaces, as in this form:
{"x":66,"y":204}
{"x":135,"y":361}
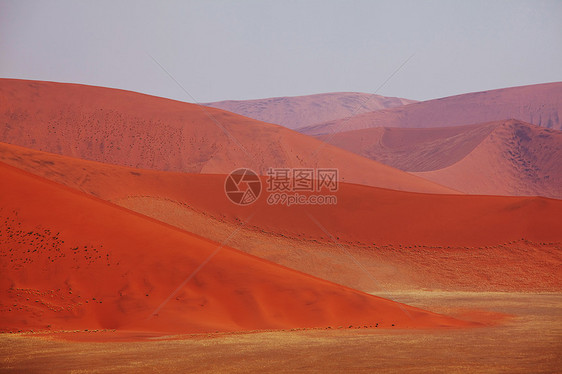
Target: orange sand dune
{"x":495,"y":158}
{"x":404,"y":240}
{"x":539,"y":104}
{"x":131,"y":129}
{"x":71,"y":261}
{"x":298,"y":111}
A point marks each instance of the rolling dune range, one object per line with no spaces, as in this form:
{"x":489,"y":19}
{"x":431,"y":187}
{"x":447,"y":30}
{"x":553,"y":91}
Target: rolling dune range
{"x":131,"y":129}
{"x":538,"y":104}
{"x":157,"y":208}
{"x":298,"y":111}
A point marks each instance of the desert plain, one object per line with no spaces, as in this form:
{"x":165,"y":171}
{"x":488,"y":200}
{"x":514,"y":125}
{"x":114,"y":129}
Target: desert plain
{"x":121,"y":252}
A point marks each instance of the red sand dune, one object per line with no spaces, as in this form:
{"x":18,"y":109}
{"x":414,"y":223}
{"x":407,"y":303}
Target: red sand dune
{"x":131,"y":129}
{"x":405,"y":240}
{"x":365,"y":214}
{"x":539,"y":104}
{"x":298,"y":111}
{"x":411,"y":149}
{"x":515,"y":159}
{"x":495,"y":158}
{"x":71,"y":261}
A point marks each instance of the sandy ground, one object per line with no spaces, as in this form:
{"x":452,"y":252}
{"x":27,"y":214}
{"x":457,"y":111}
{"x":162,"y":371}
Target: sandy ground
{"x":530,"y":341}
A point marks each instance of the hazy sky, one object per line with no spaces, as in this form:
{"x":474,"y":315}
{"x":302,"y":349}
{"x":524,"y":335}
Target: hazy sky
{"x":253,"y":49}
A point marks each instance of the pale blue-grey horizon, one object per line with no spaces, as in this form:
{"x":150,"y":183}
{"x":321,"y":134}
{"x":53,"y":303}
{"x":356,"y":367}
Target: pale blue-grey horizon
{"x":220,"y":50}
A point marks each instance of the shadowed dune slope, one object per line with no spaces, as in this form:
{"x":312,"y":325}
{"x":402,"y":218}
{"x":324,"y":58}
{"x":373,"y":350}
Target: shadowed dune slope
{"x":131,"y":129}
{"x":539,"y":104}
{"x":496,"y":158}
{"x":298,"y":111}
{"x":70,"y":261}
{"x":413,"y":149}
{"x":514,"y":159}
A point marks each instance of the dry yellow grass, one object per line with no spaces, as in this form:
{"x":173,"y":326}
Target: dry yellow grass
{"x":531,"y":341}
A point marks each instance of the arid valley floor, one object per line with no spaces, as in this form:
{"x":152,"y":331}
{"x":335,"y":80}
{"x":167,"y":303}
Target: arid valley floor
{"x":528,"y":340}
